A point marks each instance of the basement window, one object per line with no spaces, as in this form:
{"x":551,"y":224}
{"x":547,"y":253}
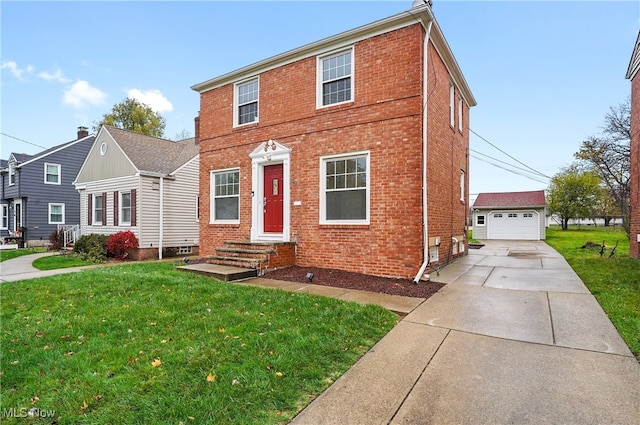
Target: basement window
{"x":184,"y":250}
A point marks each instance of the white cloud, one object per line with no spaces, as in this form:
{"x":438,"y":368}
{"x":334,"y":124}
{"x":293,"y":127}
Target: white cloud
{"x":152,"y":98}
{"x":13,"y":68}
{"x":57,"y":76}
{"x":82,"y":94}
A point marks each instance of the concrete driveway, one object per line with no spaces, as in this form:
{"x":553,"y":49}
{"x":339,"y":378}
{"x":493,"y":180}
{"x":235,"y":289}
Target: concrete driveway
{"x":514,"y":338}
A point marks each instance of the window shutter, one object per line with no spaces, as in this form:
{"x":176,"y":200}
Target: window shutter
{"x":116,"y":198}
{"x":89,"y":209}
{"x":104,"y":208}
{"x":133,"y":208}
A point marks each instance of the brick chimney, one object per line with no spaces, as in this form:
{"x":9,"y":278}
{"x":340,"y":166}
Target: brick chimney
{"x":196,"y":122}
{"x":82,"y":132}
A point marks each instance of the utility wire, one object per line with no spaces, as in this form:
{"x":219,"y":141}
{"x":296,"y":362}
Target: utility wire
{"x":7,"y":135}
{"x":503,"y":162}
{"x":509,"y":170}
{"x":518,"y":161}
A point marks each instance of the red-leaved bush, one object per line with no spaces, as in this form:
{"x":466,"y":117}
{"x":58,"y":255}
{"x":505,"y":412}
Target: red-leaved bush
{"x":120,"y":243}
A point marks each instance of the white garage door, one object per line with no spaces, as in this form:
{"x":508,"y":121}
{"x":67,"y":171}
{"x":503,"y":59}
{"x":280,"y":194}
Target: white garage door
{"x":519,"y":225}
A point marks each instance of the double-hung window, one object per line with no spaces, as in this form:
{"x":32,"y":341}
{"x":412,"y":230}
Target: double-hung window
{"x":452,"y":98}
{"x":52,"y":173}
{"x":12,"y":173}
{"x":98,"y":205}
{"x":125,"y":208}
{"x":246,"y":97}
{"x":225,"y":198}
{"x":56,"y":213}
{"x":4,"y":216}
{"x":344,"y":184}
{"x":335,"y":78}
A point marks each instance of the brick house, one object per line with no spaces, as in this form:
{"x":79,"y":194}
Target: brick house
{"x":634,"y":217}
{"x":325,"y":156}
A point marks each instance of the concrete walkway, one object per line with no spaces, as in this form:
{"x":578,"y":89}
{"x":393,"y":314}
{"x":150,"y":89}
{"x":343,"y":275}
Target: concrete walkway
{"x":21,"y":268}
{"x":514,"y":338}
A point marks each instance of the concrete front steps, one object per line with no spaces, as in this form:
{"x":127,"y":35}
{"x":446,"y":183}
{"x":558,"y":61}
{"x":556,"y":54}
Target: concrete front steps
{"x":240,"y":259}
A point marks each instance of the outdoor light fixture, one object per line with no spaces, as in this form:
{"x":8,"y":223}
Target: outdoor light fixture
{"x":270,"y":145}
{"x":310,"y":277}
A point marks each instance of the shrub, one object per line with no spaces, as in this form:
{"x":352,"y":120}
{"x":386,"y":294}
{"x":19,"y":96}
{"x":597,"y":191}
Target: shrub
{"x":92,"y":247}
{"x":56,"y":239}
{"x":119,"y":244}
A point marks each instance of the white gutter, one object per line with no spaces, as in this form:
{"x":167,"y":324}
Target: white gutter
{"x":161,"y":236}
{"x":425,"y":93}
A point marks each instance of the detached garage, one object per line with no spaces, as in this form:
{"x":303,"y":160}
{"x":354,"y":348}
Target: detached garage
{"x":510,"y":215}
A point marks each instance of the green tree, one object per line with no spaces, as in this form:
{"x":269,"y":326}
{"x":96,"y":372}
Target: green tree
{"x":573,"y":193}
{"x":132,"y":115}
{"x":609,"y":156}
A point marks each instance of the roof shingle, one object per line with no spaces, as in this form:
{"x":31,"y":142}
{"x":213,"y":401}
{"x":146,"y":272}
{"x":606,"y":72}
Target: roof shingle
{"x":511,"y":199}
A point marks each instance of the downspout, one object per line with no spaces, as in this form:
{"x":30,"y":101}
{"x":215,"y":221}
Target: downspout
{"x":161,"y":236}
{"x":425,"y":108}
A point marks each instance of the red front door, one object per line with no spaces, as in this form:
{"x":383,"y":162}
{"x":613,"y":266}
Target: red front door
{"x":273,"y":199}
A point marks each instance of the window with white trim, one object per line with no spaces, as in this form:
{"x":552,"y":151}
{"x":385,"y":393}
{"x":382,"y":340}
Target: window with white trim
{"x":197,"y":208}
{"x":4,"y":216}
{"x":527,"y":215}
{"x":56,"y":213}
{"x":335,"y":78}
{"x":125,"y":208}
{"x":246,"y":100}
{"x":452,"y":99}
{"x":497,"y":215}
{"x":97,"y":209}
{"x":344,"y":187}
{"x":12,"y":173}
{"x":480,"y":220}
{"x":462,"y":186}
{"x":225,"y":196}
{"x":459,"y":114}
{"x":52,"y":173}
{"x":513,"y":215}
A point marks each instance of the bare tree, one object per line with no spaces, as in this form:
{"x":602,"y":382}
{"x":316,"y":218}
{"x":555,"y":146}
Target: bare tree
{"x":609,"y":155}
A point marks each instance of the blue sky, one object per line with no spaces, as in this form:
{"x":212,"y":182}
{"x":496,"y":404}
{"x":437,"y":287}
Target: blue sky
{"x":544,"y":74}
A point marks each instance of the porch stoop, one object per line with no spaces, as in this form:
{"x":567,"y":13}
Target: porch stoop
{"x":260,"y":256}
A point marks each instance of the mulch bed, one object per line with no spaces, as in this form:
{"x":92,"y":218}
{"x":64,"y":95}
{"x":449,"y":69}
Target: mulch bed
{"x":350,"y":280}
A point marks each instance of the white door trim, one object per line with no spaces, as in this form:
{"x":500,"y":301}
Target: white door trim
{"x":269,"y":153}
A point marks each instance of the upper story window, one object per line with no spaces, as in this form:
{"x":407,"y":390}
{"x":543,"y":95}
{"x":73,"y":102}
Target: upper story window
{"x":344,"y":183}
{"x":462,"y":185}
{"x":56,"y":213}
{"x":335,"y":78}
{"x":452,"y":99}
{"x":225,"y":198}
{"x":12,"y":173}
{"x":246,"y":99}
{"x":52,"y":173}
{"x":460,"y":114}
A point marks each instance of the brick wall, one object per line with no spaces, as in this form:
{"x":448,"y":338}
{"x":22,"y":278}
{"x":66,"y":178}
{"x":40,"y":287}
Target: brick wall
{"x":635,"y":167}
{"x":384,"y":119}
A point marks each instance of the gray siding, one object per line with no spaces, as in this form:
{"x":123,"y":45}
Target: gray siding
{"x":36,"y":194}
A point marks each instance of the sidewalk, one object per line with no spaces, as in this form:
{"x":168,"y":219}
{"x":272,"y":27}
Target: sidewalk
{"x":514,"y":338}
{"x":21,"y":268}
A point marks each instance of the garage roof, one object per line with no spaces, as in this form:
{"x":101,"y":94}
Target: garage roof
{"x":511,"y":199}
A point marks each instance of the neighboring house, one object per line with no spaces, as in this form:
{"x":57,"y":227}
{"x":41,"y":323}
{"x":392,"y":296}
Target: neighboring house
{"x":510,"y":215}
{"x":350,"y":153}
{"x":144,"y":184}
{"x":38,"y":196}
{"x":634,"y":218}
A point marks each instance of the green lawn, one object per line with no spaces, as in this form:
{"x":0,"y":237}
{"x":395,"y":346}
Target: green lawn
{"x":614,"y":281}
{"x":144,"y":343}
{"x":60,"y":262}
{"x":8,"y":254}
